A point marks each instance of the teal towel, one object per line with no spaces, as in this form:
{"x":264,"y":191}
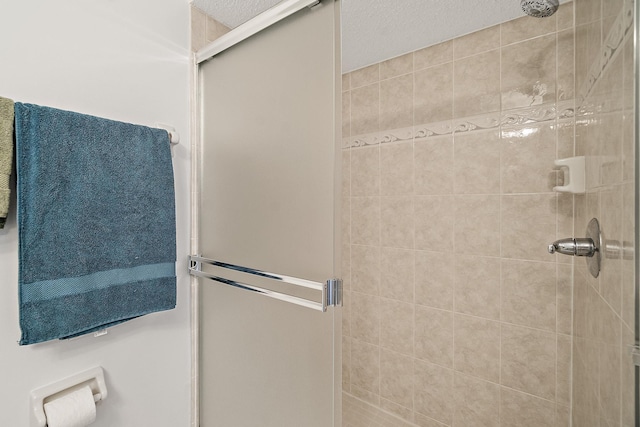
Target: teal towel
{"x":96,"y":222}
{"x":6,"y":156}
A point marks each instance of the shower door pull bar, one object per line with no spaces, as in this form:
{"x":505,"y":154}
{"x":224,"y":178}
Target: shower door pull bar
{"x":331,"y":289}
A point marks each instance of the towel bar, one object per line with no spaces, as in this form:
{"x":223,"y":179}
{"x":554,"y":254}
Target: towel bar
{"x":331,"y":289}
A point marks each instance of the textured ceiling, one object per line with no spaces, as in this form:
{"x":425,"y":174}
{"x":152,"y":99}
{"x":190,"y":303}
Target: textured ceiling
{"x":375,"y":30}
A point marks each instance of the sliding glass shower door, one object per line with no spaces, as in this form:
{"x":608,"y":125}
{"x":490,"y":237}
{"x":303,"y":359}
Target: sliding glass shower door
{"x":269,"y":290}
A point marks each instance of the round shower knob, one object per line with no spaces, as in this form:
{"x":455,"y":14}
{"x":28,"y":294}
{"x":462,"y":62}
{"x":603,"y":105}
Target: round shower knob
{"x":589,"y":247}
{"x":576,"y":247}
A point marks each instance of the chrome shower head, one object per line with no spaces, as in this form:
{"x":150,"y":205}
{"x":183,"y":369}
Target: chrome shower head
{"x":539,"y":8}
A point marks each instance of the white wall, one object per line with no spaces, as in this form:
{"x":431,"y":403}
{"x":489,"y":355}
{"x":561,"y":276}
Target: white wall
{"x":125,"y":60}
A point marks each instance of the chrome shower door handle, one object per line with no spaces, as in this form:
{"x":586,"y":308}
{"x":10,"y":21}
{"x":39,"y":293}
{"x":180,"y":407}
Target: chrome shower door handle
{"x":589,"y":247}
{"x":576,"y":247}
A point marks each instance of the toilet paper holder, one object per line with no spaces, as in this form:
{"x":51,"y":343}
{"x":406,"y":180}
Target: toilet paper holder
{"x":94,"y":378}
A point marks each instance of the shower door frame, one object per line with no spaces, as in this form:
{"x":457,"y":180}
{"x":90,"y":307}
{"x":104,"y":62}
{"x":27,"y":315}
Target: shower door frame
{"x":636,"y":136}
{"x":252,"y":27}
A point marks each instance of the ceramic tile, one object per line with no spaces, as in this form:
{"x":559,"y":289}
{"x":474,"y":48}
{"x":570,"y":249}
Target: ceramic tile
{"x":396,"y":168}
{"x":424,"y":421}
{"x":397,"y":214}
{"x":611,"y":225}
{"x":565,"y":221}
{"x":434,"y":336}
{"x":522,"y":410}
{"x":434,"y":223}
{"x":393,"y":409}
{"x":579,"y":306}
{"x":345,"y":227}
{"x":563,"y":416}
{"x":365,"y":108}
{"x":365,"y":366}
{"x":366,"y":395}
{"x":477,"y":225}
{"x":527,"y":27}
{"x":433,"y":161}
{"x":396,"y":66}
{"x":358,"y":413}
{"x":433,"y":395}
{"x":365,"y":224}
{"x":476,"y":402}
{"x":396,"y":102}
{"x":477,"y":286}
{"x":566,"y":74}
{"x":477,"y":347}
{"x":396,"y":326}
{"x":530,"y":219}
{"x":433,"y":55}
{"x":528,"y":292}
{"x":397,"y":274}
{"x":346,"y":115}
{"x":365,"y":269}
{"x":563,"y":380}
{"x":396,"y":378}
{"x":477,"y":163}
{"x":588,"y":11}
{"x":365,"y":76}
{"x":477,"y":42}
{"x":610,"y":386}
{"x":565,"y":16}
{"x":566,"y":139}
{"x":564,"y":299}
{"x":611,"y":8}
{"x":587,"y":47}
{"x":528,"y":361}
{"x":529,"y":73}
{"x":346,"y":313}
{"x":433,"y":96}
{"x":345,"y":171}
{"x":346,"y":363}
{"x":528,"y":154}
{"x":365,"y":318}
{"x":476,"y":87}
{"x":607,"y":157}
{"x":434,"y":279}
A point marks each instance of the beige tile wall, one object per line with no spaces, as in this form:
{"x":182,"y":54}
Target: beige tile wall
{"x":455,"y":314}
{"x":603,"y":392}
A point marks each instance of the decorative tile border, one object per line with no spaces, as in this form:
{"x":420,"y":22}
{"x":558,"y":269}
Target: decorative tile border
{"x":395,"y":135}
{"x":621,"y":29}
{"x":513,"y":118}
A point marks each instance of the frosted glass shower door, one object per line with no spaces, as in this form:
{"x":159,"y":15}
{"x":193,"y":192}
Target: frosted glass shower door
{"x":269,"y":356}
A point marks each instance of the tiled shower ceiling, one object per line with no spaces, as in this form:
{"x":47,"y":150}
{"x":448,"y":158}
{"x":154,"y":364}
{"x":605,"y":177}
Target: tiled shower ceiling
{"x":375,"y":30}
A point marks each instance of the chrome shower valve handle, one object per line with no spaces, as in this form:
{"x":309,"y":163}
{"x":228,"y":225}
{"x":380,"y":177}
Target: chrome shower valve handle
{"x":589,"y":247}
{"x":576,"y":247}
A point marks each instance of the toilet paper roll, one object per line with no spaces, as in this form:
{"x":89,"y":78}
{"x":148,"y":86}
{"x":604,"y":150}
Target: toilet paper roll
{"x":76,"y":409}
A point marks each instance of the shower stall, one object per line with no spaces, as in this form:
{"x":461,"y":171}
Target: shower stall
{"x":372,"y":248}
